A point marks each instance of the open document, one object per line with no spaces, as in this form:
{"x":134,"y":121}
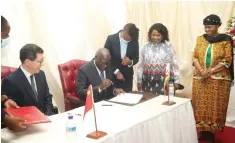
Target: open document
{"x":128,"y":98}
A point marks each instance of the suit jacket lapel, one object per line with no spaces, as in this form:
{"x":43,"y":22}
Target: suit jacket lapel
{"x":95,"y":73}
{"x":129,"y":48}
{"x":27,"y":86}
{"x":117,"y":47}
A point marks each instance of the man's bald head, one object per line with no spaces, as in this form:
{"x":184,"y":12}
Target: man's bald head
{"x":102,"y":52}
{"x":102,"y":58}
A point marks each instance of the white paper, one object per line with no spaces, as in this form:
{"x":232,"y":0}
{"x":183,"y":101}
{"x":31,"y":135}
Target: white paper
{"x":128,"y":98}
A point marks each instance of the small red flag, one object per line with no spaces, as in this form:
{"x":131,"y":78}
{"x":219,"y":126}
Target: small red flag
{"x":89,"y":101}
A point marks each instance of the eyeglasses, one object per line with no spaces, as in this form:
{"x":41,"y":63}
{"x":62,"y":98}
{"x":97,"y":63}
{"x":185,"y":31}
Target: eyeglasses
{"x":41,"y":62}
{"x":104,"y":62}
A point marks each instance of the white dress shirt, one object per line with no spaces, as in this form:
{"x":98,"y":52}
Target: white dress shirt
{"x":123,"y":49}
{"x":27,"y":75}
{"x":99,"y":71}
{"x":99,"y":74}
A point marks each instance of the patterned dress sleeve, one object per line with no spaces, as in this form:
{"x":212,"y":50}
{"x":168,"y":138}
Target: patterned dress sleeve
{"x":227,"y":59}
{"x":175,"y":66}
{"x":195,"y":52}
{"x":140,"y":65}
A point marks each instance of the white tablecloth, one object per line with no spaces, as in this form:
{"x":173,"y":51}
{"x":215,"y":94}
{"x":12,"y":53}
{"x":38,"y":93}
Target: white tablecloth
{"x":230,"y":119}
{"x":148,"y":122}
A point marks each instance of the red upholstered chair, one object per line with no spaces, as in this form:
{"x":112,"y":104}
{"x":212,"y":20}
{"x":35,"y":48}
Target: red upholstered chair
{"x":5,"y":71}
{"x":68,"y":73}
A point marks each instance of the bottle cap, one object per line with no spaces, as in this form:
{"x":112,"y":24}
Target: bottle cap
{"x":70,"y":117}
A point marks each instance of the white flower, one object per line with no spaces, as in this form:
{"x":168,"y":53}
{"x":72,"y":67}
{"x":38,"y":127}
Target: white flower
{"x":230,"y":27}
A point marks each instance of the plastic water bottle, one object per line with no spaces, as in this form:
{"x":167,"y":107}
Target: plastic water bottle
{"x":71,"y":133}
{"x":71,"y":124}
{"x":171,"y":92}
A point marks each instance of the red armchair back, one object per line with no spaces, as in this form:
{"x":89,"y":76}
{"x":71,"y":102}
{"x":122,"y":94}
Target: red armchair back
{"x":5,"y":71}
{"x":68,"y":73}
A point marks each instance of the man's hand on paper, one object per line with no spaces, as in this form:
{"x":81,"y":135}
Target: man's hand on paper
{"x":118,"y":91}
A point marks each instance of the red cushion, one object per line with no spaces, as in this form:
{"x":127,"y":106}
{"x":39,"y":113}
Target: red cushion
{"x":68,"y":73}
{"x":5,"y":71}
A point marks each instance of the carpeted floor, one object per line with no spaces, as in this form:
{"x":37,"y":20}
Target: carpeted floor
{"x":227,"y":136}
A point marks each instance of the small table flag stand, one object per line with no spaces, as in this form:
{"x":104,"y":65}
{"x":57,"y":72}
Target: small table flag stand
{"x":96,"y":134}
{"x":89,"y":105}
{"x":168,"y":89}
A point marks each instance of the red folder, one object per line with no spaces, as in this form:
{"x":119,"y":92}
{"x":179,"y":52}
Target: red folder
{"x":30,"y":114}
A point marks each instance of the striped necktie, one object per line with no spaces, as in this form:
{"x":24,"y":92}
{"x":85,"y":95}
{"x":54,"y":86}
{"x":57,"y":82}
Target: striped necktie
{"x":33,"y":85}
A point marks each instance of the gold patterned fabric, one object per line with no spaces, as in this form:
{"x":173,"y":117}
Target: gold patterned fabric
{"x":221,"y":53}
{"x":210,"y":102}
{"x":210,"y":96}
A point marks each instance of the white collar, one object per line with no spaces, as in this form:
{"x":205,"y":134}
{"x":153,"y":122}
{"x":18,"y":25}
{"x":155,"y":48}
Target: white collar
{"x":99,"y":70}
{"x":120,"y":34}
{"x":96,"y":67}
{"x":27,"y":74}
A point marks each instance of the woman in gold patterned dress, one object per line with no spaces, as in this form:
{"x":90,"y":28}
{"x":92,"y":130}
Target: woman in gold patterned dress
{"x":212,"y":78}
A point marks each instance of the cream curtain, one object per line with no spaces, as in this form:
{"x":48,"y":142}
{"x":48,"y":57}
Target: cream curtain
{"x":65,"y":29}
{"x":75,"y":29}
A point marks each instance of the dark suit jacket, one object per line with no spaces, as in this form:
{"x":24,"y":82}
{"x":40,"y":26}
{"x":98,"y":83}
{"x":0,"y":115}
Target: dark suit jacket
{"x":2,"y":114}
{"x":17,"y":87}
{"x":113,"y":45}
{"x":88,"y":75}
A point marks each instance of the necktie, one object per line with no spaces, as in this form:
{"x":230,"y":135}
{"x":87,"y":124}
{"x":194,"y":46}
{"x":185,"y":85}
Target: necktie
{"x":103,"y":78}
{"x":102,"y":75}
{"x":34,"y":87}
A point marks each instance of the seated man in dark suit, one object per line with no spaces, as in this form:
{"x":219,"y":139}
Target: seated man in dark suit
{"x":27,"y":86}
{"x":98,"y":74}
